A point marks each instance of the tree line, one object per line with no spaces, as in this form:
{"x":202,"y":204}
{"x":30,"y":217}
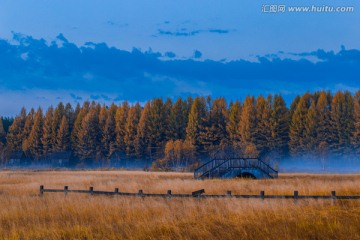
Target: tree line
{"x":319,"y":124}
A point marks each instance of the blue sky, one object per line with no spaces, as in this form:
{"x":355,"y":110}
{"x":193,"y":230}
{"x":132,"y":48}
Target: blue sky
{"x":62,"y":50}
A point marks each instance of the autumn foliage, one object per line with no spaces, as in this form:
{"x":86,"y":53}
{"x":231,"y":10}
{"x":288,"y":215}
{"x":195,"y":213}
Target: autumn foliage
{"x":179,"y":133}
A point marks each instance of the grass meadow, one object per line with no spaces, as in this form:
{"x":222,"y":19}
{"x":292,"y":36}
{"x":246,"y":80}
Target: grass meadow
{"x":25,"y":215}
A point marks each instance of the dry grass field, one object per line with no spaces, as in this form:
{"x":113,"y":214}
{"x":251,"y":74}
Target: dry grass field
{"x":25,"y":215}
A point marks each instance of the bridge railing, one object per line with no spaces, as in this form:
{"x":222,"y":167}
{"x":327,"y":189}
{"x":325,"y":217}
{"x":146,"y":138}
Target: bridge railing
{"x":214,"y":167}
{"x":207,"y":167}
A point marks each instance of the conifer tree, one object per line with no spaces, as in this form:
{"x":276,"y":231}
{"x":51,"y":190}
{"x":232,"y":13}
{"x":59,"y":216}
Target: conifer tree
{"x":34,"y":139}
{"x":103,"y":115}
{"x":232,"y":126}
{"x":297,"y":127}
{"x":215,"y":131}
{"x":323,"y":125}
{"x":63,"y":136}
{"x":349,"y":123}
{"x":131,"y":126}
{"x":168,"y":105}
{"x":105,"y":139}
{"x":356,"y":133}
{"x":247,"y":126}
{"x":279,"y":126}
{"x":120,"y":121}
{"x":108,"y":136}
{"x":342,"y":113}
{"x":77,"y":128}
{"x":70,"y":115}
{"x":293,"y":106}
{"x":59,"y":112}
{"x":142,"y":136}
{"x":46,"y":138}
{"x":311,"y":129}
{"x":178,"y":120}
{"x":29,"y":121}
{"x":89,"y":136}
{"x":157,"y":123}
{"x":263,"y":129}
{"x":14,"y":136}
{"x":196,"y":122}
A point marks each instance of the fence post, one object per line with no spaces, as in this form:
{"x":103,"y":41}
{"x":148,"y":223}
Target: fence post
{"x":91,"y":191}
{"x":41,"y":190}
{"x":116,"y":191}
{"x":228,"y":194}
{"x":66,"y":188}
{"x":333,"y":197}
{"x":296,"y":195}
{"x":169,"y":194}
{"x":262,"y":195}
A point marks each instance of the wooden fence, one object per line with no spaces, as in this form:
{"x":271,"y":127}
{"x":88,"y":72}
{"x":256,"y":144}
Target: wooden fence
{"x":198,"y":194}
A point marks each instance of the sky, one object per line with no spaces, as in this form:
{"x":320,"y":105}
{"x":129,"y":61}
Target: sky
{"x":111,"y":51}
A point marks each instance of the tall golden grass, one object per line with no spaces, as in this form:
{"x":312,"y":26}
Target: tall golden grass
{"x":25,"y":215}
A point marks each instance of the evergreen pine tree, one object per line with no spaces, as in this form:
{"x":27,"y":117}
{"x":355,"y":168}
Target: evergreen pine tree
{"x":168,"y":105}
{"x":297,"y":127}
{"x":342,"y":121}
{"x":263,"y":129}
{"x":89,"y":138}
{"x":77,"y":128}
{"x":178,"y":120}
{"x":142,"y":136}
{"x":196,"y":122}
{"x":323,"y":125}
{"x":34,"y":139}
{"x":293,"y":106}
{"x":63,"y":136}
{"x":356,"y":133}
{"x":311,"y":129}
{"x":29,"y":122}
{"x":157,"y":123}
{"x":46,"y":138}
{"x":247,"y":127}
{"x":279,"y":126}
{"x":14,"y":137}
{"x":105,"y":144}
{"x":70,"y":115}
{"x":120,"y":121}
{"x":59,"y":112}
{"x":232,"y":126}
{"x":216,"y":130}
{"x":131,"y":126}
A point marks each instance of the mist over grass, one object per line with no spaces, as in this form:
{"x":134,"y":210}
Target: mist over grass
{"x":315,"y":164}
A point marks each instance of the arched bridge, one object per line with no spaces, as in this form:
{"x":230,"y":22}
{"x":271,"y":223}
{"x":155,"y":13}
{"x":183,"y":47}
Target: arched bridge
{"x":235,"y":167}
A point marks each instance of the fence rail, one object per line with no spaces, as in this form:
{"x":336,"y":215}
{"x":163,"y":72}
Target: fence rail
{"x":198,"y":194}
